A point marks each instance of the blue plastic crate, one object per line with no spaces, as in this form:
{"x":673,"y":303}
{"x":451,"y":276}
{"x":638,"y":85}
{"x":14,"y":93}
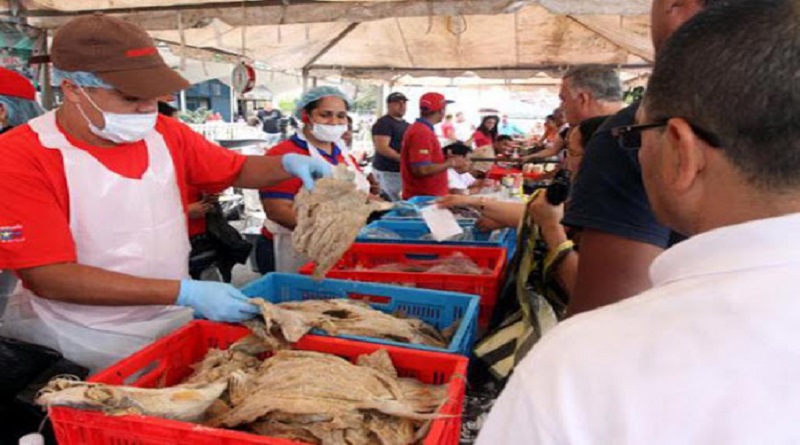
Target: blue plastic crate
{"x":438,"y":308}
{"x":411,"y":231}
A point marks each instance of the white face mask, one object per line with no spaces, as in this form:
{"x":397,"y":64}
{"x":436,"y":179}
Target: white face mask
{"x":328,"y":133}
{"x":121,"y":128}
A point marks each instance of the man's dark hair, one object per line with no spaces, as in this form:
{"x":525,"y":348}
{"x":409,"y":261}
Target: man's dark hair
{"x":503,"y":137}
{"x":732,"y":71}
{"x":167,"y":109}
{"x":602,"y":82}
{"x":457,"y":149}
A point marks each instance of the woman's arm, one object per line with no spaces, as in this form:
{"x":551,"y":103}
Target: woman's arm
{"x":508,"y":214}
{"x":280,"y":211}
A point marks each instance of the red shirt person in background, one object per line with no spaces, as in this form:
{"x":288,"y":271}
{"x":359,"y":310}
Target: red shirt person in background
{"x":423,"y":165}
{"x":486,"y":133}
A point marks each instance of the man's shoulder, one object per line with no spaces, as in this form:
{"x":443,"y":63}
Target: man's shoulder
{"x":20,"y":143}
{"x":608,"y":194}
{"x":625,"y":116}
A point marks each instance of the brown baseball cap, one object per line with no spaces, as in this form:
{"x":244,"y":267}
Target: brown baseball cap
{"x":119,"y":52}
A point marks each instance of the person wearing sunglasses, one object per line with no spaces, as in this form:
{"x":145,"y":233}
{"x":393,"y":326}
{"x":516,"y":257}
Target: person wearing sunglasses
{"x":708,"y":355}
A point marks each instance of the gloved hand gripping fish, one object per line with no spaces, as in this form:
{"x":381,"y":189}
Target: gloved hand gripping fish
{"x":330,"y":217}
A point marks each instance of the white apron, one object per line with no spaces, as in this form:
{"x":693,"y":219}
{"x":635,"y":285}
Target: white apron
{"x":286,"y":258}
{"x":131,"y":226}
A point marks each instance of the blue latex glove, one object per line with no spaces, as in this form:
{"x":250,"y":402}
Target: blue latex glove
{"x":306,"y":168}
{"x":216,"y":301}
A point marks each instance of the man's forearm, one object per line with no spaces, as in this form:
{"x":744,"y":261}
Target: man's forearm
{"x":388,"y":152}
{"x":261,"y":171}
{"x":509,"y":214}
{"x":75,"y":283}
{"x":381,"y":144}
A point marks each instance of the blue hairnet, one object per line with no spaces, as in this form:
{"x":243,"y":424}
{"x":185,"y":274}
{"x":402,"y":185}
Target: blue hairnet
{"x":20,"y":110}
{"x":81,"y":78}
{"x":316,"y":94}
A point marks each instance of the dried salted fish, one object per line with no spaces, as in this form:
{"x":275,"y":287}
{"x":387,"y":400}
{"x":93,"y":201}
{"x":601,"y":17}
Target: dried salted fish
{"x":219,"y":364}
{"x":308,"y":396}
{"x":287,"y":322}
{"x":352,"y":404}
{"x":330,"y":217}
{"x":182,"y":402}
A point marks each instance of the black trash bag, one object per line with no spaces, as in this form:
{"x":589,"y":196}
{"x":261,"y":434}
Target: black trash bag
{"x":230,"y":245}
{"x":20,"y":364}
{"x":24,"y":369}
{"x":203,"y":254}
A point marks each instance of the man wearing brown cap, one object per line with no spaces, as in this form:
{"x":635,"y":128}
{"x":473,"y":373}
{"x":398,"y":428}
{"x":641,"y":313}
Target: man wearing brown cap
{"x":424,"y":166}
{"x":94,"y":193}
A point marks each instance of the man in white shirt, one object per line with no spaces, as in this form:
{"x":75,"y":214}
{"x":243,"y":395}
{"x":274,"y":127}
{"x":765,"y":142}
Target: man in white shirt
{"x":459,"y":181}
{"x":710,"y":354}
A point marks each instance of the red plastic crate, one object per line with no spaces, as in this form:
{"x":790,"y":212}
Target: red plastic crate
{"x":497,"y":173}
{"x":368,"y":256}
{"x":167,"y":362}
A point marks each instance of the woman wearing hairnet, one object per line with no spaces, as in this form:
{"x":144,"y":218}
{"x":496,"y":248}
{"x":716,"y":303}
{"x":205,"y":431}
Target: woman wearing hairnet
{"x":17,"y":106}
{"x":323,"y":113}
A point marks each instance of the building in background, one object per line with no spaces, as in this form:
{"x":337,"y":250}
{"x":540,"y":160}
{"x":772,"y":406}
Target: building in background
{"x":212,"y":95}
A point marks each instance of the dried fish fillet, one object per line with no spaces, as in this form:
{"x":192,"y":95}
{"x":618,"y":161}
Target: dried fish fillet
{"x":352,"y":404}
{"x":308,"y":396}
{"x":330,"y":217}
{"x":183,"y":402}
{"x":287,"y":322}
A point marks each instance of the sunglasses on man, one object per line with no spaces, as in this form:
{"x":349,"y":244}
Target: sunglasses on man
{"x":629,"y":137}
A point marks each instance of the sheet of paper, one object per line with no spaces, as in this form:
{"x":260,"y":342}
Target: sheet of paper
{"x":441,"y":222}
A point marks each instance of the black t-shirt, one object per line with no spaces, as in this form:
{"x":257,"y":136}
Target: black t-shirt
{"x":271,"y":120}
{"x":608,"y":194}
{"x":395,"y":129}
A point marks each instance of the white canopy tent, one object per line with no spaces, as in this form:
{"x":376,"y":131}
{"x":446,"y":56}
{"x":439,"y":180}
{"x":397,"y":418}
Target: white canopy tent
{"x":382,"y":39}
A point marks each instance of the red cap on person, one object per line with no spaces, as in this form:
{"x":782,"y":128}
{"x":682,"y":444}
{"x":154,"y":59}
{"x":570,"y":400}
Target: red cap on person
{"x":15,"y":84}
{"x":433,"y":102}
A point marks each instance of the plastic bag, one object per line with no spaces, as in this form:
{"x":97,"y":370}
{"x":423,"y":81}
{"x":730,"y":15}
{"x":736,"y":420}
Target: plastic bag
{"x":378,"y":233}
{"x":20,"y":363}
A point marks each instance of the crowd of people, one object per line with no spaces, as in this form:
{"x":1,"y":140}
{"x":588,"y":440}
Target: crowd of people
{"x":668,"y":273}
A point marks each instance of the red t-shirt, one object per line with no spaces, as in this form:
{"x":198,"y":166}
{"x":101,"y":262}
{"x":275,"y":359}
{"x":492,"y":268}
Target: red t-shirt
{"x":480,"y":139}
{"x":34,"y":198}
{"x":448,"y":130}
{"x":421,"y":147}
{"x":290,"y":187}
{"x":197,"y":226}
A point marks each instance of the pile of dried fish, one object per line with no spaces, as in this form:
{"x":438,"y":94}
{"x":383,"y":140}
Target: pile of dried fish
{"x":330,"y":217}
{"x":300,"y":395}
{"x":324,"y":399}
{"x":285,"y":323}
{"x":457,"y":263}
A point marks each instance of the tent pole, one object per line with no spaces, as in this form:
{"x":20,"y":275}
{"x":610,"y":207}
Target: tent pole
{"x":48,"y":98}
{"x":305,"y":80}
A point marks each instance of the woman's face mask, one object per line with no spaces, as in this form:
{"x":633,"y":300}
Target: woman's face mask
{"x":328,"y":133}
{"x":121,"y":128}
